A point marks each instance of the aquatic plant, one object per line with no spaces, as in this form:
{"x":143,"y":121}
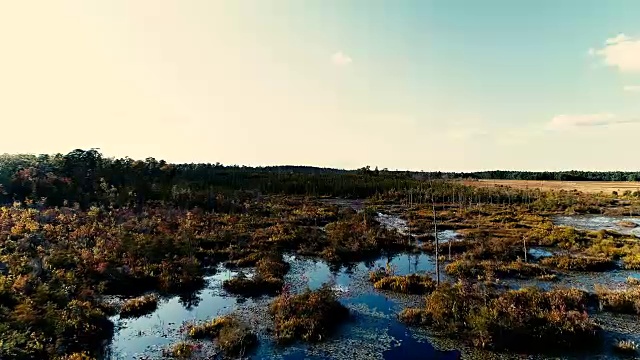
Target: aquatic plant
{"x":309,"y":316}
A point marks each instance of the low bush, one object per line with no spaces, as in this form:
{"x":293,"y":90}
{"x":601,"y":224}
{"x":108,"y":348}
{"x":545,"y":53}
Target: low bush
{"x":233,"y":337}
{"x":489,"y":269}
{"x":180,"y":351}
{"x":517,"y":319}
{"x":619,"y":301}
{"x":310,"y":316}
{"x":408,"y":284}
{"x":257,"y":286}
{"x":579,"y":263}
{"x":209,"y":329}
{"x":139,"y":306}
{"x":632,"y":281}
{"x":236,"y":339}
{"x":272,"y":267}
{"x":626,"y":347}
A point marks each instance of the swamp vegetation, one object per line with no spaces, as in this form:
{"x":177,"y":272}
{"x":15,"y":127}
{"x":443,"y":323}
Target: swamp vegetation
{"x":83,"y":238}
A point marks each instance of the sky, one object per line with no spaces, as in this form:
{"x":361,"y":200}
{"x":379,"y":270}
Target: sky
{"x":446,"y":85}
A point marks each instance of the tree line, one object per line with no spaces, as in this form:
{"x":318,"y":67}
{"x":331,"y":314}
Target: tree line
{"x":86,"y":177}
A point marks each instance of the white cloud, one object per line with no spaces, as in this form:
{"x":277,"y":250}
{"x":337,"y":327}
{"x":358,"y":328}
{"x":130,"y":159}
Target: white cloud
{"x":632,"y":88}
{"x":565,"y":122}
{"x":341,"y":59}
{"x":617,"y":39}
{"x":621,"y":51}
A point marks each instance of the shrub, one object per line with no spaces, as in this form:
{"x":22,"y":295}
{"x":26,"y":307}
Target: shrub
{"x":619,"y":301}
{"x":272,"y":267}
{"x":257,"y":286}
{"x":582,"y":263}
{"x":233,"y":337}
{"x":209,"y":329}
{"x":412,"y":316}
{"x":518,"y":319}
{"x":139,"y":306}
{"x":490,"y":269}
{"x":632,"y":281}
{"x":77,"y":356}
{"x":409,"y":284}
{"x":236,"y":339}
{"x":625,"y":347}
{"x":181,"y":351}
{"x":309,"y":316}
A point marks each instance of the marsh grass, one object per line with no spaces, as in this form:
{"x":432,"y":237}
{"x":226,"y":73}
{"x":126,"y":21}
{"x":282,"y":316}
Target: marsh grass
{"x":526,"y":319}
{"x":626,"y":347}
{"x":625,"y":301}
{"x":579,"y":263}
{"x":487,"y":269}
{"x":252,"y":287}
{"x":407,"y":284}
{"x":268,"y":280}
{"x":310,"y":316}
{"x":232,"y":336}
{"x":139,"y":306}
{"x":180,"y":351}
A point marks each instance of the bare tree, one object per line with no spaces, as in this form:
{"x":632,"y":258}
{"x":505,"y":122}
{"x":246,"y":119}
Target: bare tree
{"x":435,"y":232}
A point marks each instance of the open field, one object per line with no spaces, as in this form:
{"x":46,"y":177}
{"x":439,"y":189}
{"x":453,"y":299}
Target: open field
{"x":583,"y":186}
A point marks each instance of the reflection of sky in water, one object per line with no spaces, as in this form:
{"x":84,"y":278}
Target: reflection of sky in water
{"x":148,"y":333}
{"x":382,"y":332}
{"x":317,"y":272}
{"x":598,"y":222}
{"x":373,"y":325}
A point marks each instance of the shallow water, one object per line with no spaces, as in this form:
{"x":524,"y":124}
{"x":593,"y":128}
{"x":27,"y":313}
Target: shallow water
{"x":373,"y":331}
{"x":599,"y":222}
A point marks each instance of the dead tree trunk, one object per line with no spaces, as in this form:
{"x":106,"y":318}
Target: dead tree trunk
{"x":435,"y":232}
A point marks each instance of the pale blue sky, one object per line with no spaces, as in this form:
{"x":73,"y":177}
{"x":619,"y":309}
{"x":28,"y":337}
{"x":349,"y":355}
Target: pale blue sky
{"x":432,"y":85}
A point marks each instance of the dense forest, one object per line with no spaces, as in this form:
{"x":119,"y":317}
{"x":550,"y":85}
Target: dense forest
{"x":86,"y":177}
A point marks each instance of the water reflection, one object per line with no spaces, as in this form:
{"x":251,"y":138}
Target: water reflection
{"x":374,"y":324}
{"x":598,"y":222}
